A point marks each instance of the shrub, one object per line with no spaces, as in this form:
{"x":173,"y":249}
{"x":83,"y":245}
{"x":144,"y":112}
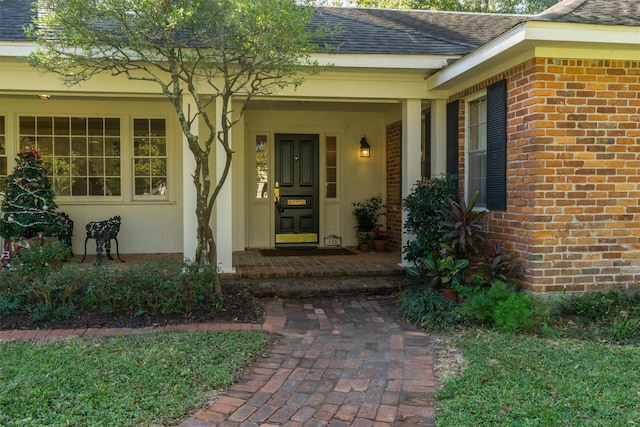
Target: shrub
{"x":499,"y":306}
{"x":427,"y":308}
{"x":367,"y":213}
{"x":424,"y":214}
{"x":163,"y":287}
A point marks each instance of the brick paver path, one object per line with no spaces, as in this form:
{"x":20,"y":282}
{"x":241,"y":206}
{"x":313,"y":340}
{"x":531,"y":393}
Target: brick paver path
{"x":346,"y":361}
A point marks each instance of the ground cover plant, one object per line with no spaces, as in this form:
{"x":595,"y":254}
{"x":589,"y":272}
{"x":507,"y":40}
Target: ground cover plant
{"x":146,"y":379}
{"x":41,"y":291}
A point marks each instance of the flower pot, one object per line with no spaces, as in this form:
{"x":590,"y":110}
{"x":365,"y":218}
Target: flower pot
{"x":380,"y":245}
{"x":364,"y":247}
{"x":451,"y":295}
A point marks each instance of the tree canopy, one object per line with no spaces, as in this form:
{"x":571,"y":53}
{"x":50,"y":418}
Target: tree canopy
{"x":214,"y":51}
{"x":494,"y":6}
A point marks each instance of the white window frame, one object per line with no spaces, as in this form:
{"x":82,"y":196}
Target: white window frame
{"x":132,"y":158}
{"x":482,"y":151}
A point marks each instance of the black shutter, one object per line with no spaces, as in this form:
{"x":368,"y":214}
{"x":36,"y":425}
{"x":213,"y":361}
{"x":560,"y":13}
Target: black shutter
{"x":497,"y":146}
{"x":452,"y":138}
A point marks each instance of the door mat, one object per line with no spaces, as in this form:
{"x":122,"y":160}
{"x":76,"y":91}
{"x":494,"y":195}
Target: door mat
{"x":306,"y":252}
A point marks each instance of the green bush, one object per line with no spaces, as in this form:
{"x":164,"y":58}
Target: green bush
{"x":597,"y":306}
{"x":499,"y":306}
{"x":424,"y":213}
{"x":161,"y":287}
{"x":427,"y":308}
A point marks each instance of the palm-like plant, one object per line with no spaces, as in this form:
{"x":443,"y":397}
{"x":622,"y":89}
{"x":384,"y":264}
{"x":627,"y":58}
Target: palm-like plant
{"x":463,"y":228}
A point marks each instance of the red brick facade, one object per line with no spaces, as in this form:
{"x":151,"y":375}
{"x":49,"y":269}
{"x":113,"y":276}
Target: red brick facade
{"x":394,"y":195}
{"x":573,"y":163}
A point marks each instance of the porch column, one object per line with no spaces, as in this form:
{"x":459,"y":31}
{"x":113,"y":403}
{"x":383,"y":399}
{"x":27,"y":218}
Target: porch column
{"x":411,"y":142}
{"x":224,"y":203}
{"x":189,"y":220}
{"x":438,"y":137}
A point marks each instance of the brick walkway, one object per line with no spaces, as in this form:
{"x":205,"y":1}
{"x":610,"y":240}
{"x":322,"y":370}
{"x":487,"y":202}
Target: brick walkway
{"x":342,"y":360}
{"x":346,"y":361}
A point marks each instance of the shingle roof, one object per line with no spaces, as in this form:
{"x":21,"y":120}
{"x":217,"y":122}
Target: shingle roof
{"x":14,"y":15}
{"x":387,"y":31}
{"x":605,"y":12}
{"x":406,"y":32}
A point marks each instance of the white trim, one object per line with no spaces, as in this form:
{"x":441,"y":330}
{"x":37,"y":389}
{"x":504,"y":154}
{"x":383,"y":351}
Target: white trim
{"x":468,"y":100}
{"x":388,"y":61}
{"x":533,"y":34}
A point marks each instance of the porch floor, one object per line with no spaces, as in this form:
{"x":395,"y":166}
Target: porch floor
{"x":251,"y":264}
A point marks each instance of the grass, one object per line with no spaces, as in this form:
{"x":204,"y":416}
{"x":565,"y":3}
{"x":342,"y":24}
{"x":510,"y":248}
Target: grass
{"x":519,"y":380}
{"x":137,"y":380}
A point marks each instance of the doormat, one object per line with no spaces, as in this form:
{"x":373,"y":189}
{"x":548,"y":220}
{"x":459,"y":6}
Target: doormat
{"x":306,"y":252}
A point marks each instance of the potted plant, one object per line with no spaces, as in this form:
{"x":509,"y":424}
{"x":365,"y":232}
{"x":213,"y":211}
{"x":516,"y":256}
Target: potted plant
{"x":367,"y":214}
{"x":380,"y":240}
{"x":363,"y":240}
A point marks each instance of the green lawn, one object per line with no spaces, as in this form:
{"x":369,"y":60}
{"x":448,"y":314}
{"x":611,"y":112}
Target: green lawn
{"x":516,"y":380}
{"x":125,"y":381}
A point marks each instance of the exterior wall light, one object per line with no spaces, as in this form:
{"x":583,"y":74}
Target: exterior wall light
{"x":365,"y":148}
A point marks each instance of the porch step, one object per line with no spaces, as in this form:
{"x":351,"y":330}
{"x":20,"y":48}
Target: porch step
{"x":305,"y":287}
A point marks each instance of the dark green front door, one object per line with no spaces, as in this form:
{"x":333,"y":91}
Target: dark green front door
{"x":296,"y":176}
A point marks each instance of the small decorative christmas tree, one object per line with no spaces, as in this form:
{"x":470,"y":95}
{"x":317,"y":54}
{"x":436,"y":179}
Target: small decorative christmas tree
{"x":28,"y":208}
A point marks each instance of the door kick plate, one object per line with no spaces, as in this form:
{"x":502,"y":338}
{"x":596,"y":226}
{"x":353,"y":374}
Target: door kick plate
{"x":297,"y":238}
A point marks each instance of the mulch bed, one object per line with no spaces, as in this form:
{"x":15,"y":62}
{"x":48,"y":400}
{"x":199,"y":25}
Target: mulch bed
{"x":240,"y":306}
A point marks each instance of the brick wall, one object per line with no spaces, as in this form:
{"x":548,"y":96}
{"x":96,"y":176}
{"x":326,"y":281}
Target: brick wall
{"x":394,"y":196}
{"x":573,"y":210}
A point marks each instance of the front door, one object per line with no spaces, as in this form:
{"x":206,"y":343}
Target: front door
{"x":296,"y":180}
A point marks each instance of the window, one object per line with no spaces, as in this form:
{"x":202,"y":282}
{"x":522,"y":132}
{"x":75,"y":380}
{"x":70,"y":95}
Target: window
{"x":486,"y":150}
{"x":331,"y":168}
{"x":150,"y":157}
{"x":82,"y":153}
{"x":477,"y":149}
{"x":262,"y":167}
{"x":3,"y":154}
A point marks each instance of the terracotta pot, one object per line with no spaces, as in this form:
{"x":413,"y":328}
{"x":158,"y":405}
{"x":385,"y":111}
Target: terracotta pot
{"x":380,"y":245}
{"x":364,"y":247}
{"x":451,"y":295}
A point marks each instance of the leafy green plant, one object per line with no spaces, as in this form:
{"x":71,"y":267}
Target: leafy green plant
{"x":463,"y":228}
{"x":597,"y":306}
{"x":496,"y":265}
{"x":435,"y":271}
{"x":515,"y":314}
{"x":427,"y":308}
{"x":423,"y":207}
{"x":367,"y":213}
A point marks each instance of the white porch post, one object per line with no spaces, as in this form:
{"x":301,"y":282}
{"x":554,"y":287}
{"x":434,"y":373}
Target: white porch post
{"x":411,"y":138}
{"x":438,"y":137}
{"x":224,"y":203}
{"x":189,"y":220}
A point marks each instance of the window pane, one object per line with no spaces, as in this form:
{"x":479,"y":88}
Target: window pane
{"x":150,"y":157}
{"x":74,"y":150}
{"x":262,"y":167}
{"x":477,"y":149}
{"x":331,"y":171}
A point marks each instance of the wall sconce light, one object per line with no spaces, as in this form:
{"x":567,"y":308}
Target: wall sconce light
{"x":365,"y":148}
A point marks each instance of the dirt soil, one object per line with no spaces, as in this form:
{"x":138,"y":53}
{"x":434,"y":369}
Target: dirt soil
{"x":240,"y":306}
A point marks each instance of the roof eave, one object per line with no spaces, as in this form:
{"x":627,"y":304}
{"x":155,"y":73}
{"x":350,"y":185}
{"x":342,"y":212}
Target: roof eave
{"x":527,"y":36}
{"x":385,"y":61}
